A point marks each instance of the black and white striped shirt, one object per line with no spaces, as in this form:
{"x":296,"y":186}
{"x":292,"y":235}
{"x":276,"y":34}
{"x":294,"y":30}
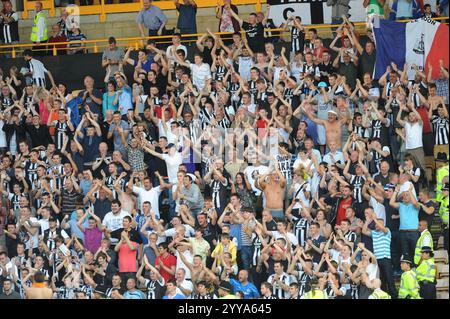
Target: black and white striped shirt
{"x":301,"y":229}
{"x":277,"y":290}
{"x":357,"y":183}
{"x":10,"y":31}
{"x":220,"y":73}
{"x":256,"y":248}
{"x":61,"y":129}
{"x":297,"y":39}
{"x":440,"y":128}
{"x":38,"y":69}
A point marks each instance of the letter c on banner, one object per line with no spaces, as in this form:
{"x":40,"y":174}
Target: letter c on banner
{"x":285,"y":12}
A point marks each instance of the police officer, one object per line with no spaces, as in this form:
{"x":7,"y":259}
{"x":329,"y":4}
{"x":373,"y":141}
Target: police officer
{"x":443,"y":213}
{"x":409,"y":286}
{"x":441,"y":173}
{"x":39,"y":32}
{"x":426,"y":274}
{"x":377,"y":292}
{"x":317,"y":291}
{"x":425,"y":239}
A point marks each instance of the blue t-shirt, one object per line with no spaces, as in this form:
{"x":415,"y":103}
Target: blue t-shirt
{"x":177,"y":296}
{"x":146,"y":65}
{"x":137,"y":294}
{"x":409,"y":216}
{"x":250,"y":291}
{"x":125,"y":100}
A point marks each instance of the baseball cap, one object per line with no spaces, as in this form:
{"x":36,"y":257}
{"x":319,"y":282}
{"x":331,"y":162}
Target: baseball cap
{"x":445,"y":187}
{"x":388,"y":186}
{"x":322,"y":85}
{"x":331,"y":111}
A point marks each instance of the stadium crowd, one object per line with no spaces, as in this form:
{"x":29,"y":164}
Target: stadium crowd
{"x":248,"y":172}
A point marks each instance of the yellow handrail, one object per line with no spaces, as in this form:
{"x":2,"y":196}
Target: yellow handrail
{"x":139,"y":41}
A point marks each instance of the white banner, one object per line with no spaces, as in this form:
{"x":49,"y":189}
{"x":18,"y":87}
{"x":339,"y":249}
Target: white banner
{"x":280,"y":10}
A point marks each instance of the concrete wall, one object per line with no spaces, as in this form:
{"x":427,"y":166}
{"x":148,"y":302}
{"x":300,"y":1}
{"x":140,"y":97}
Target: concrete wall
{"x":124,"y":25}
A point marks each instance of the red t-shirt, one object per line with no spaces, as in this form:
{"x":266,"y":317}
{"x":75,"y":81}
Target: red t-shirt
{"x":423,"y":112}
{"x":261,"y":125}
{"x":168,"y":261}
{"x":343,"y":205}
{"x":127,"y":258}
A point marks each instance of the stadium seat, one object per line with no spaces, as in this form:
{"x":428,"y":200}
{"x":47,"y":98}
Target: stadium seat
{"x":442,"y":270}
{"x":442,"y":295}
{"x":440,"y":244}
{"x":441,"y":256}
{"x":442,"y":284}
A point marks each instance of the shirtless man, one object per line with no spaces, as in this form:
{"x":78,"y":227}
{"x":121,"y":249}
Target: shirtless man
{"x":333,"y":127}
{"x":38,"y":289}
{"x":273,"y":185}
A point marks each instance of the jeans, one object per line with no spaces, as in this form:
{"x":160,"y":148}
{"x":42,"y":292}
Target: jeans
{"x":387,"y":276}
{"x":246,"y":256}
{"x":277,"y":213}
{"x":408,"y":241}
{"x":395,"y":250}
{"x":172,"y":204}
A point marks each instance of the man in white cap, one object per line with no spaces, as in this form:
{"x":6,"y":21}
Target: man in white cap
{"x":333,"y":126}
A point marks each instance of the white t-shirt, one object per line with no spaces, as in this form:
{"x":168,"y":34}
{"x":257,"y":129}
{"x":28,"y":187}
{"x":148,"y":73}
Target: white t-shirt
{"x":251,"y":172}
{"x":151,"y":196}
{"x":413,"y":134}
{"x":306,"y":187}
{"x":292,"y":238}
{"x":35,"y":237}
{"x":180,"y":264}
{"x":171,"y":232}
{"x":186,"y":284}
{"x":199,"y":74}
{"x":114,"y":222}
{"x":2,"y":135}
{"x":170,"y":55}
{"x":172,"y":163}
{"x":299,"y":161}
{"x":378,"y":208}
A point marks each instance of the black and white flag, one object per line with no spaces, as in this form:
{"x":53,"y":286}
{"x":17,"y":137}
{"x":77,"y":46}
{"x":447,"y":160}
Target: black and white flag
{"x":311,"y":11}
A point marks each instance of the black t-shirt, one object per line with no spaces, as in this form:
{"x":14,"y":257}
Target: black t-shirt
{"x":155,"y":163}
{"x":133,"y":235}
{"x":255,"y":36}
{"x":271,"y":226}
{"x":11,"y":246}
{"x":392,"y":224}
{"x":155,"y":290}
{"x":424,"y":216}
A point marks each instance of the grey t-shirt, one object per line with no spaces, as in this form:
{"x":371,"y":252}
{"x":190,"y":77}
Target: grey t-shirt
{"x":115,"y":55}
{"x":116,"y":136}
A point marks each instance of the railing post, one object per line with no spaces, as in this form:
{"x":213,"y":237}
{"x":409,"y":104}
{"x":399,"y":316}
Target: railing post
{"x":258,"y":6}
{"x":136,"y":45}
{"x":95,"y":48}
{"x":25,"y":10}
{"x":51,"y":10}
{"x":102,"y":11}
{"x":55,"y":51}
{"x":13,"y":52}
